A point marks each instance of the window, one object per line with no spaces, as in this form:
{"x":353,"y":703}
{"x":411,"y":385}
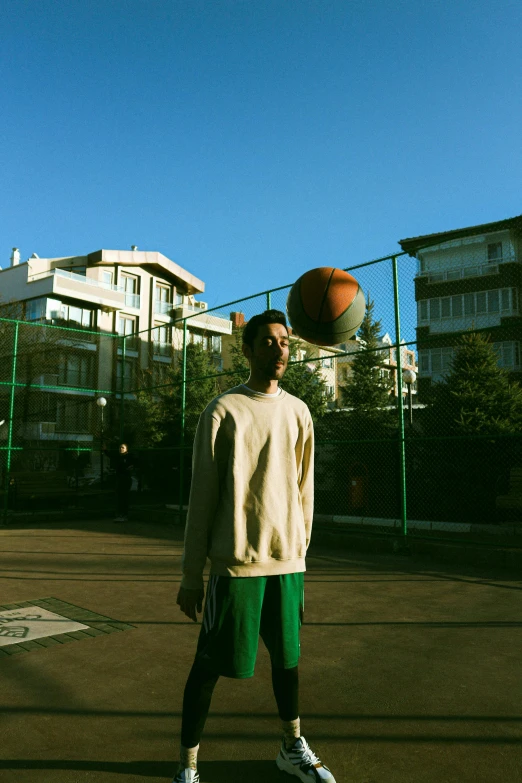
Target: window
{"x":128,"y":327}
{"x":162,"y":340}
{"x":434,"y":309}
{"x":73,"y":315}
{"x":130,"y":286}
{"x":106,"y":279}
{"x":493,"y":301}
{"x":216,"y":343}
{"x":423,"y":313}
{"x":75,"y":370}
{"x":35,"y":309}
{"x":161,"y":333}
{"x":481,"y":302}
{"x":469,"y":304}
{"x":129,"y":283}
{"x":424,"y":361}
{"x":162,"y":293}
{"x":456,"y":306}
{"x":128,"y":374}
{"x":73,"y":416}
{"x":498,"y":300}
{"x":446,"y":307}
{"x":508,"y":354}
{"x":495,"y":252}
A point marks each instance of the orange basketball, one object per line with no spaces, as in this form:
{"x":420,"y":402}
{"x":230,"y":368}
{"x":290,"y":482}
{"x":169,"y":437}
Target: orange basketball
{"x":325,"y":306}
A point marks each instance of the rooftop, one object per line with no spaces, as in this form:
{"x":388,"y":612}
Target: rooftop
{"x":414,"y":244}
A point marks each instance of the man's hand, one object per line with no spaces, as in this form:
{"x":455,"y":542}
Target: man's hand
{"x":189,"y":599}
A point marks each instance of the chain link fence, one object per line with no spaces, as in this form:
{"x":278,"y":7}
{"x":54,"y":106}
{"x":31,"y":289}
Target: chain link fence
{"x":417,"y":419}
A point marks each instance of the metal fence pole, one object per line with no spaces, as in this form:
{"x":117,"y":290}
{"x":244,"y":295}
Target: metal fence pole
{"x":268,"y":300}
{"x":122,"y":387}
{"x":402,"y":455}
{"x":10,"y":425}
{"x":182,"y":438}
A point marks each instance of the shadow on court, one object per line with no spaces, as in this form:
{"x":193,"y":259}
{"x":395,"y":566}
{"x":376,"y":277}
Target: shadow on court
{"x":409,"y":670}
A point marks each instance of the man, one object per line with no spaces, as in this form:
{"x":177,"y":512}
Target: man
{"x":250,"y":511}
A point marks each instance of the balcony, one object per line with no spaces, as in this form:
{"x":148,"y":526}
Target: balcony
{"x":217,"y":324}
{"x":61,"y":282}
{"x":48,"y":430}
{"x":460,"y":272}
{"x":162,"y":349}
{"x":162,"y":308}
{"x":132,"y":300}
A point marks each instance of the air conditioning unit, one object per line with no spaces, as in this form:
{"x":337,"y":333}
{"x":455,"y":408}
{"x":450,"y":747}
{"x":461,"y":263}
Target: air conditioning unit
{"x":202,"y":305}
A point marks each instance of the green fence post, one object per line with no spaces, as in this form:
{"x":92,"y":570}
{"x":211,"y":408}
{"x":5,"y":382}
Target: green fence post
{"x":268,"y":300}
{"x":182,"y":439}
{"x":402,"y":455}
{"x":122,"y":387}
{"x":10,"y":425}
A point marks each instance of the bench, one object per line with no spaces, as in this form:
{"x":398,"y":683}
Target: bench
{"x":512,"y":502}
{"x":40,"y":484}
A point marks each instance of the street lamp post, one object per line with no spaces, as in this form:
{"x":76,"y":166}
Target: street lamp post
{"x":101,"y":402}
{"x":409,"y":377}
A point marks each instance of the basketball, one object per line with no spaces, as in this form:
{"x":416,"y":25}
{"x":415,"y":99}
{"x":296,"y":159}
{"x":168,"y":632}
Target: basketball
{"x":325,"y":306}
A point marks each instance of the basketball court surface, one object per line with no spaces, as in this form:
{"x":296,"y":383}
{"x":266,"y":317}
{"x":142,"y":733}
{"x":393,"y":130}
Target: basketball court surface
{"x":409,"y":672}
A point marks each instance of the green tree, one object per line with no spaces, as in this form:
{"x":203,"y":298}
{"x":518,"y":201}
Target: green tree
{"x":476,"y":397}
{"x":368,"y":389}
{"x":153,"y":418}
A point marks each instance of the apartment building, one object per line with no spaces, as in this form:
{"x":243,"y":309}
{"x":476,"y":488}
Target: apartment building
{"x":125,"y":292}
{"x":139,"y":294}
{"x":388,"y":370}
{"x":467,"y":278}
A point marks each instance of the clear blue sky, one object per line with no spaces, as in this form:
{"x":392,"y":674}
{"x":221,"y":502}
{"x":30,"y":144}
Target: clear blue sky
{"x":251,"y":140}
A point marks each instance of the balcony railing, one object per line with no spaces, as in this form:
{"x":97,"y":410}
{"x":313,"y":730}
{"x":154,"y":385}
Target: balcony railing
{"x":163,"y":308}
{"x":132,"y":300}
{"x":74,"y":276}
{"x":132,"y":343}
{"x":459,"y":272}
{"x":162,"y":349}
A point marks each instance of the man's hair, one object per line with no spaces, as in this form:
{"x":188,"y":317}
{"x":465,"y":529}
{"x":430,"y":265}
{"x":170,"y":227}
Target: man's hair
{"x":268,"y":317}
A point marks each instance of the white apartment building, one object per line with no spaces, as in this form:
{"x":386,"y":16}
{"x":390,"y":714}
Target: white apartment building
{"x":125,"y":292}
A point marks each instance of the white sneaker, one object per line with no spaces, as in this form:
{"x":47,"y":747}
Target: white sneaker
{"x":188,"y":775}
{"x":302,"y":762}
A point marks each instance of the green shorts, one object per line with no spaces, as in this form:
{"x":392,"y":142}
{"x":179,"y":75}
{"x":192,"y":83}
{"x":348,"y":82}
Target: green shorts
{"x":240,"y":609}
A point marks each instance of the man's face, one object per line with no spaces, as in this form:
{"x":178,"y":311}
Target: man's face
{"x":123,"y":449}
{"x":270,"y":346}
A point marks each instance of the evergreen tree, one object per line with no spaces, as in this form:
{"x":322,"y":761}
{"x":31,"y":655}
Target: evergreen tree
{"x":476,"y":396}
{"x":154,"y":419}
{"x":367,"y":390}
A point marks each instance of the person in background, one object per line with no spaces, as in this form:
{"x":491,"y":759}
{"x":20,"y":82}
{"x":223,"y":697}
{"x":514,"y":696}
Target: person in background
{"x":124,"y":468}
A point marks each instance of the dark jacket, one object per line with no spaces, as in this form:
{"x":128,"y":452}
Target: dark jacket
{"x":124,"y":466}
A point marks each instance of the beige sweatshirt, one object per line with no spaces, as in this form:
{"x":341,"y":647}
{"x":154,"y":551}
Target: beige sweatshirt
{"x":252,"y":493}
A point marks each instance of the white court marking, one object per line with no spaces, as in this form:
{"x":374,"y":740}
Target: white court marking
{"x":33,"y":622}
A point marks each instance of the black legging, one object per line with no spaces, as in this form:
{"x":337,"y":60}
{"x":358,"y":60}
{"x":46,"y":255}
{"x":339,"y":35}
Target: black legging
{"x":123,"y":488}
{"x":198,"y":695}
